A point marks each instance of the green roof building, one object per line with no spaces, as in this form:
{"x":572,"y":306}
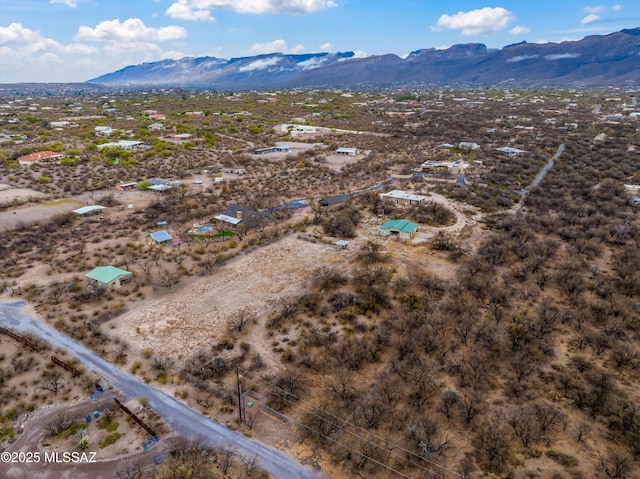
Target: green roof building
{"x":401,"y":228}
{"x":109,"y":276}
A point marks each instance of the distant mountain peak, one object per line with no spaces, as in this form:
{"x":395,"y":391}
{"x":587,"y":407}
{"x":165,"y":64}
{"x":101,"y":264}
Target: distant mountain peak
{"x":595,"y":60}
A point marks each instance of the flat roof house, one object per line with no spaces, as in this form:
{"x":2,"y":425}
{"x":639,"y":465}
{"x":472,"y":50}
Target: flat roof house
{"x":109,"y":276}
{"x":399,"y":196}
{"x":124,"y":144}
{"x":403,"y":229}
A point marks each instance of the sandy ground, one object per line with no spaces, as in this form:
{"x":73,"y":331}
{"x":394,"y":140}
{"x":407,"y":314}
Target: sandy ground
{"x":196,"y":314}
{"x":43,"y":211}
{"x":9,"y":194}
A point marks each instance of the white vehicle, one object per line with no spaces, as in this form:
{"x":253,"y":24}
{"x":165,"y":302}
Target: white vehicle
{"x":197,"y":182}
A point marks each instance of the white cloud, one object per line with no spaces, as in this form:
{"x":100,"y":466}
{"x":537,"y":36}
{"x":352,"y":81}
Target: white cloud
{"x":276,"y":46}
{"x":520,"y":58}
{"x":326,"y":46}
{"x":70,"y":3}
{"x":312,"y":63}
{"x":617,"y":7}
{"x":478,"y":22}
{"x":519,"y":30}
{"x":598,"y":9}
{"x":294,"y":7}
{"x":131,"y":30}
{"x":259,"y":64}
{"x":27,"y":56}
{"x":589,"y":19}
{"x":18,"y":38}
{"x":356,"y":54}
{"x":183,"y":10}
{"x":561,"y":56}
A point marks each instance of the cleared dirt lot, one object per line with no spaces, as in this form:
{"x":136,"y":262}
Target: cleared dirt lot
{"x":196,"y":314}
{"x":44,"y":211}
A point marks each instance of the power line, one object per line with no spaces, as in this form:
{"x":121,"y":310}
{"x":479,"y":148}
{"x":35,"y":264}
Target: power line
{"x":435,"y":464}
{"x":343,"y":427}
{"x":301,"y":424}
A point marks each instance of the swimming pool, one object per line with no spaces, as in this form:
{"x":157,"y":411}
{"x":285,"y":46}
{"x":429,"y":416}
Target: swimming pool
{"x":204,"y":229}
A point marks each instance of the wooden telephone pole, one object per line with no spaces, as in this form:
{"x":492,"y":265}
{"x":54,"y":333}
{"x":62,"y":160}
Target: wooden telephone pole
{"x":239,"y":393}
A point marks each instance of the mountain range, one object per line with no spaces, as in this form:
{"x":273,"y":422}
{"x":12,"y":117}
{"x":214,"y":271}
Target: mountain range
{"x":597,"y":60}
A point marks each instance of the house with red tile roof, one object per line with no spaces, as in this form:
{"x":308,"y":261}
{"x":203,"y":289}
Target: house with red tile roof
{"x":40,"y":157}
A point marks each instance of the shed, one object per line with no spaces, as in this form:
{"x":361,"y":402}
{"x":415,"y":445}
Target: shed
{"x":161,"y":236}
{"x":404,"y":229}
{"x":333,"y":200}
{"x":109,"y":276}
{"x":347,"y":151}
{"x":87,"y":210}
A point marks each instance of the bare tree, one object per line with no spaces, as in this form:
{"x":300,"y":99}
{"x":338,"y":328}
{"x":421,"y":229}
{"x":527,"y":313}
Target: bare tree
{"x":208,"y":262}
{"x":51,"y":380}
{"x":241,"y":318}
{"x":168,"y":279}
{"x":225,"y":458}
{"x":615,"y":465}
{"x":60,"y":423}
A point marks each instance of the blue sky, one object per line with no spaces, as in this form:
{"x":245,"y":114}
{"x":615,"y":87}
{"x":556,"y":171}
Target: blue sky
{"x":75,"y":40}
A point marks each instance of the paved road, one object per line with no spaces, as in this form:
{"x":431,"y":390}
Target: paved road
{"x":182,"y":419}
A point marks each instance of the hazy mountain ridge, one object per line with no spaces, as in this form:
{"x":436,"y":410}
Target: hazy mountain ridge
{"x":612,"y":59}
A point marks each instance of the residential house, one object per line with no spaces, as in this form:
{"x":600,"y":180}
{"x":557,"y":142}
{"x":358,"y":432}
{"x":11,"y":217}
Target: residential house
{"x":271,"y":149}
{"x":40,"y":157}
{"x":403,"y":197}
{"x":247,"y":216}
{"x":123,"y":144}
{"x":109,"y":277}
{"x":103,"y":130}
{"x":468,"y":145}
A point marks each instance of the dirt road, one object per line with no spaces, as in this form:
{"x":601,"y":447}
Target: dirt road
{"x":182,"y":419}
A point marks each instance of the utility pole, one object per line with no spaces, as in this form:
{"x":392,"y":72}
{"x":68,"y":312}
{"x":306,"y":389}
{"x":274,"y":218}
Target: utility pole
{"x":239,"y":393}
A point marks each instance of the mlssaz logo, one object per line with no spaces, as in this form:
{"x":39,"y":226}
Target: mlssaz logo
{"x":70,"y":457}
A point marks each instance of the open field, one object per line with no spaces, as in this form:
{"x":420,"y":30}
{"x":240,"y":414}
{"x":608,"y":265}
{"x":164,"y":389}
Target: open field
{"x":196,"y":314}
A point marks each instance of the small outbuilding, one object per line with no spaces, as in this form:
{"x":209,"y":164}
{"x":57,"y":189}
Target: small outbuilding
{"x":109,"y":276}
{"x":347,"y":151}
{"x":89,"y":210}
{"x":403,"y":229}
{"x":161,"y":236}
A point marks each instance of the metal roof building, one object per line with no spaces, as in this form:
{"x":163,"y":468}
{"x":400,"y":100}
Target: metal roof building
{"x":401,"y":228}
{"x":161,"y":236}
{"x":109,"y":276}
{"x":85,"y":210}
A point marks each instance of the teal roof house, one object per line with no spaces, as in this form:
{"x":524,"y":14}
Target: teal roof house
{"x":109,"y":276}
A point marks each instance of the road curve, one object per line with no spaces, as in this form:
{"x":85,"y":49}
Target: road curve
{"x":182,"y":419}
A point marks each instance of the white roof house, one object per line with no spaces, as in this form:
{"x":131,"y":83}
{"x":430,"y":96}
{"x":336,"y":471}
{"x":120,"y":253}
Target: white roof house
{"x":511,"y":151}
{"x":399,"y":196}
{"x":124,"y":144}
{"x":467,"y":145}
{"x":103,"y":130}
